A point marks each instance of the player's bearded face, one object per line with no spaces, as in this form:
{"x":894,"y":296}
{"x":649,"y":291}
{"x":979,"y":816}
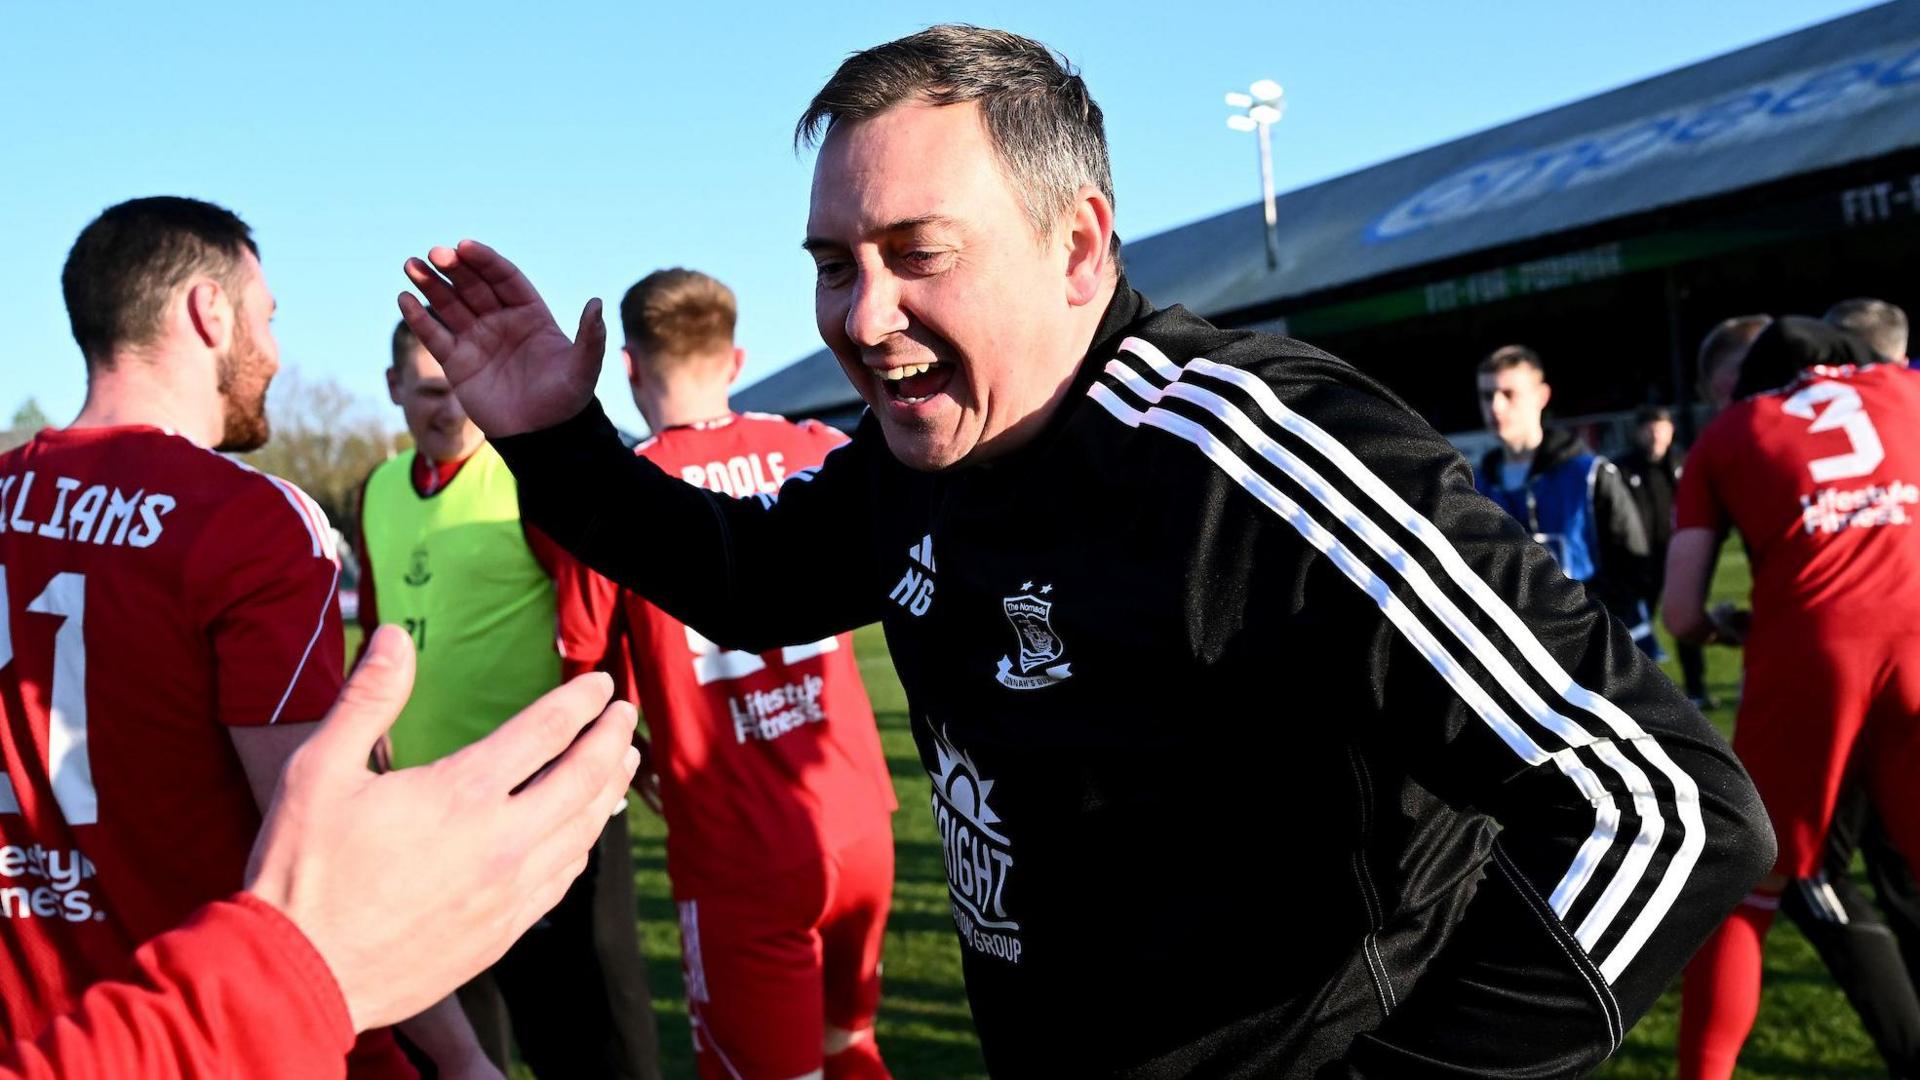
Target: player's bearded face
{"x":946,"y":310}
{"x":244,"y":371}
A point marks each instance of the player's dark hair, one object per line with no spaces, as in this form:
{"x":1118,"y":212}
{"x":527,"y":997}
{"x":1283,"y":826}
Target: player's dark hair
{"x":404,"y":343}
{"x":1878,"y":323}
{"x":1791,"y":344}
{"x":1512,"y":356}
{"x":128,"y":263}
{"x":1647,"y":414}
{"x":1041,"y":121}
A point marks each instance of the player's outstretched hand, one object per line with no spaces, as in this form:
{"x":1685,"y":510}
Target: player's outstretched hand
{"x":508,"y":360}
{"x":409,"y":883}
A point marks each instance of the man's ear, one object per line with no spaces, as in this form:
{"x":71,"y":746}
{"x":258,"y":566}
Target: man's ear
{"x":210,"y":313}
{"x":393,"y":385}
{"x":626,"y":360}
{"x":1546,"y":394}
{"x":1089,"y":245}
{"x":733,"y":366}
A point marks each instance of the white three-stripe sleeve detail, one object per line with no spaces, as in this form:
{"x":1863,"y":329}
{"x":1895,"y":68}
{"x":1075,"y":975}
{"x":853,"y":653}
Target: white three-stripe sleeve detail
{"x":1463,"y":630}
{"x":1686,"y":793}
{"x":1549,"y":670}
{"x":1349,"y":564}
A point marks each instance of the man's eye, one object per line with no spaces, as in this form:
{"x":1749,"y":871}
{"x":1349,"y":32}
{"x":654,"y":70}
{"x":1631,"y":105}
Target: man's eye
{"x":831,"y":273}
{"x":925,"y":261}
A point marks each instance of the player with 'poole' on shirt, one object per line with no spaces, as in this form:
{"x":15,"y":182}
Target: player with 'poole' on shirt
{"x":772,"y":781}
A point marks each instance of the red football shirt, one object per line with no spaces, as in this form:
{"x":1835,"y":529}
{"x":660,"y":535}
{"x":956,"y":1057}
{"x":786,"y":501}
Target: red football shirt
{"x":152,"y":594}
{"x":1822,"y":478}
{"x":766,"y":762}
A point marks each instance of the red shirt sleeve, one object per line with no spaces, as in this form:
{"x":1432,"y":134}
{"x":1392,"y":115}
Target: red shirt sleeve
{"x":626,"y":679}
{"x":827,"y":437}
{"x":1696,"y":504}
{"x":235,"y":991}
{"x":267,"y":579}
{"x":369,"y":615}
{"x":584,"y":607}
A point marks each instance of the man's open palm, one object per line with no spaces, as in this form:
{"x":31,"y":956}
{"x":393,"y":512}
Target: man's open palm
{"x":508,"y":360}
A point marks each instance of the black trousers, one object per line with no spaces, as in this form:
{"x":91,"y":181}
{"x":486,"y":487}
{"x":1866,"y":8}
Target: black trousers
{"x":572,"y":992}
{"x":1872,"y":949}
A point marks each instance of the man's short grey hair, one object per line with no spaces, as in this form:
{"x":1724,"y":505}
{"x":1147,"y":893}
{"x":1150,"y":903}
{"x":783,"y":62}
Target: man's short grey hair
{"x":1880,"y":324}
{"x":1039,"y":117}
{"x":1728,"y":341}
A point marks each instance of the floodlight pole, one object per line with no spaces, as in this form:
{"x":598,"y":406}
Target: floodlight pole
{"x":1265,"y":103}
{"x":1266,"y":193}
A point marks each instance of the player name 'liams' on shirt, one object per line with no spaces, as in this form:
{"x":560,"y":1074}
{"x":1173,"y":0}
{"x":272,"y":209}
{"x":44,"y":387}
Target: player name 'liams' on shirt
{"x":66,"y":508}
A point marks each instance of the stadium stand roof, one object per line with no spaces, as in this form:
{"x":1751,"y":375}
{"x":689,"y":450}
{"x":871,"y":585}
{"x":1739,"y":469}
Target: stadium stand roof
{"x":1839,"y":92}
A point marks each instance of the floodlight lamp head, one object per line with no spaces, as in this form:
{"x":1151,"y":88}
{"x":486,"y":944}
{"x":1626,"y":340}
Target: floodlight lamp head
{"x":1266,"y":91}
{"x":1239,"y":100}
{"x":1264,"y":114}
{"x":1241,"y":122}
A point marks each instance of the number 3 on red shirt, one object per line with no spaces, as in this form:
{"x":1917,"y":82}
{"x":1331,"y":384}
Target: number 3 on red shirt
{"x":1845,"y":412}
{"x":70,"y":766}
{"x":713,"y":664}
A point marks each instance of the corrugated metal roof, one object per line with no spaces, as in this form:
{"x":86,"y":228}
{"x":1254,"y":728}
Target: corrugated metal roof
{"x":1842,"y":91}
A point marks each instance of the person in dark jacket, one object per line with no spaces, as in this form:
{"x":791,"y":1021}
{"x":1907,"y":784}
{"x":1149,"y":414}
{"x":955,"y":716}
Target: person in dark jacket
{"x":1574,"y":502}
{"x":1651,"y":467}
{"x":1175,"y":609}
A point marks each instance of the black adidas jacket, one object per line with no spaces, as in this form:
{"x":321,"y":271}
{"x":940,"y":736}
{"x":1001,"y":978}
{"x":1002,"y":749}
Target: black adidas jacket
{"x":1260,"y":745}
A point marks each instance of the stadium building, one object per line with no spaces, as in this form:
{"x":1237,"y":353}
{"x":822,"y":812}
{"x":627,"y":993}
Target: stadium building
{"x":1610,"y":234}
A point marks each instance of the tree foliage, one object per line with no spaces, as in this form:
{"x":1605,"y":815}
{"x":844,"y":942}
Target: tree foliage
{"x":325,"y":439}
{"x":27,"y":419}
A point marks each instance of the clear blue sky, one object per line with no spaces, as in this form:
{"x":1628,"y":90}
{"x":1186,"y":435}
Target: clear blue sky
{"x":593,"y":142}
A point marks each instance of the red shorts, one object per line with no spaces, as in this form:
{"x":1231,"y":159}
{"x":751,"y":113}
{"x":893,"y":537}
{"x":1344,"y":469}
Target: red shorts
{"x":769,"y":970}
{"x":1818,"y":712}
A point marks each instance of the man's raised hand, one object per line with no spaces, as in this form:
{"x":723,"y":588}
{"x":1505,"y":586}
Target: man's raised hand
{"x":508,"y":360}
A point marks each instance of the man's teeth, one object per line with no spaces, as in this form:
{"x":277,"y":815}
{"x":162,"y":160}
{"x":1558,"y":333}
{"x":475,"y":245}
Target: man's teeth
{"x":908,"y":372}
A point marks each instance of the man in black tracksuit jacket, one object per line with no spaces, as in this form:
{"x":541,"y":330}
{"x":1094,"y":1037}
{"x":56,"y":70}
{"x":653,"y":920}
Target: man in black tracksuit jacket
{"x":1223,"y":684}
{"x":1259,"y":744}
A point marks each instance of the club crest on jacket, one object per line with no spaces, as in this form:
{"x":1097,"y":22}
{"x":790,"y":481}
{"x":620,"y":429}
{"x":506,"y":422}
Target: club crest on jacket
{"x":1039,"y":644}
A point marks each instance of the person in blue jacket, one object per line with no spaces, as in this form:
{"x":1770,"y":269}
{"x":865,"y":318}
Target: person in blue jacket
{"x":1573,"y":501}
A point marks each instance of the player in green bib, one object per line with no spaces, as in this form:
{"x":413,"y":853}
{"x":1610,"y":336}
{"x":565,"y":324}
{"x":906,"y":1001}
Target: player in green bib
{"x":444,"y":553}
{"x":457,"y":570}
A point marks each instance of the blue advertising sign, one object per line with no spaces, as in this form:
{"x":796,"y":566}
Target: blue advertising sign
{"x":1820,"y":95}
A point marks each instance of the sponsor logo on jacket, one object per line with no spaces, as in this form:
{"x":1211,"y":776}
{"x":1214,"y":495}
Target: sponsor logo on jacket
{"x":979,"y":857}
